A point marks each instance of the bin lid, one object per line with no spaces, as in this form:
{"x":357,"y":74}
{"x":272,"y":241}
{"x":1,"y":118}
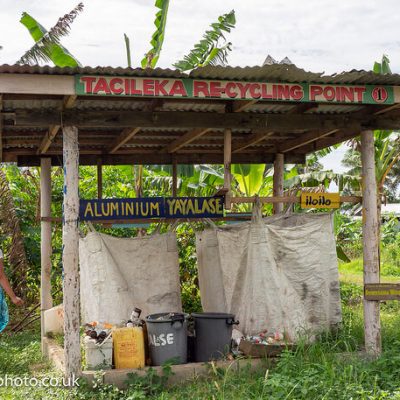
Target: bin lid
{"x":166,"y":317}
{"x":213,"y":315}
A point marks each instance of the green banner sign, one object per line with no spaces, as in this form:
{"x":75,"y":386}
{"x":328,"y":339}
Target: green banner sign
{"x":232,"y":90}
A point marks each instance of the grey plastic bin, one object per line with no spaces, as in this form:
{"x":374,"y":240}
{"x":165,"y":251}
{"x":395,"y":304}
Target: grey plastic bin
{"x":167,"y":334}
{"x":213,"y":335}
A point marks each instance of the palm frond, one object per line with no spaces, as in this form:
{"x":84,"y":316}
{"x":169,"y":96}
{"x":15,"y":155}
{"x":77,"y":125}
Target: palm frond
{"x":151,"y":57}
{"x":47,"y":47}
{"x":208,"y":50}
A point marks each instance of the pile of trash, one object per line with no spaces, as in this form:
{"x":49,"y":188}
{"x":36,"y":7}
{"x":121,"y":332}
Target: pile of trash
{"x":97,"y":332}
{"x":267,"y":337}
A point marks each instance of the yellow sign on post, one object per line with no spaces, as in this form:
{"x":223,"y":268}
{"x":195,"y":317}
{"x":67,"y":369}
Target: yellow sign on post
{"x":320,"y":200}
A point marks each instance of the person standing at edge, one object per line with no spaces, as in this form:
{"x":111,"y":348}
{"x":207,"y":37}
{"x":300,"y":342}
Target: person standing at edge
{"x":5,"y":285}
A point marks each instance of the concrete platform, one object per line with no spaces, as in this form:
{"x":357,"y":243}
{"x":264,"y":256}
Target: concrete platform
{"x":180,"y":373}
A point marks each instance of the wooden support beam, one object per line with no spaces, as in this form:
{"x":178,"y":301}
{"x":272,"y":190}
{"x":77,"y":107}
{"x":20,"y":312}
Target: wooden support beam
{"x":253,"y":139}
{"x":99,"y":179}
{"x":307,"y":138}
{"x":279,"y":169}
{"x":227,"y":167}
{"x":200,"y":121}
{"x":372,"y":326}
{"x":48,"y":139}
{"x":125,"y":136}
{"x":288,"y":199}
{"x":174,"y":178}
{"x":46,"y":301}
{"x":186,"y":139}
{"x":70,"y":254}
{"x":151,"y":158}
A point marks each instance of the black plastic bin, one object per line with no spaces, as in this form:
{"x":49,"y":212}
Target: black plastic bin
{"x":213,"y":335}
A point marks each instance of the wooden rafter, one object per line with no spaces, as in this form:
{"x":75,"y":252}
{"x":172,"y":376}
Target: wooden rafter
{"x":242,"y":105}
{"x":125,"y":136}
{"x":186,"y":139}
{"x":304,"y":139}
{"x":254,"y":138}
{"x":68,"y":102}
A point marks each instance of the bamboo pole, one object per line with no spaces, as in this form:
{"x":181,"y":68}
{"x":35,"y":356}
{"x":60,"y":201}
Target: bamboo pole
{"x":99,"y":179}
{"x":227,"y":167}
{"x":372,"y":327}
{"x":46,"y":301}
{"x":71,"y":252}
{"x":278,"y":181}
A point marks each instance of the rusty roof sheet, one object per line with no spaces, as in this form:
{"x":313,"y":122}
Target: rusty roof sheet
{"x":274,"y":72}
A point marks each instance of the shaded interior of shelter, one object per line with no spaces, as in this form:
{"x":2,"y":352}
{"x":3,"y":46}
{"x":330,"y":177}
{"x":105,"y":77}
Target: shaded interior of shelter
{"x":129,"y":130}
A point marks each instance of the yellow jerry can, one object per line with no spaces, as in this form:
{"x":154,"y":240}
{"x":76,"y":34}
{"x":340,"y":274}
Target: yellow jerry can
{"x":128,"y":348}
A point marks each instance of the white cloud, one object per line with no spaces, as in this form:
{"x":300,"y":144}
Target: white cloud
{"x":329,"y":35}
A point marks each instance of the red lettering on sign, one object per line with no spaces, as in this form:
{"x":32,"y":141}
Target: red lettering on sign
{"x":101,"y":86}
{"x":148,"y":87}
{"x":243,"y":88}
{"x":127,"y":86}
{"x":178,"y":89}
{"x":113,"y":85}
{"x":315,"y":91}
{"x":296,"y":92}
{"x":200,"y":87}
{"x":135,"y":91}
{"x":347,"y":94}
{"x":88,"y":82}
{"x":329,"y":93}
{"x":360,"y":93}
{"x":159,"y":88}
{"x":283,"y":92}
{"x":255,"y":91}
{"x":264,"y":92}
{"x":215,"y":89}
{"x":230,"y":90}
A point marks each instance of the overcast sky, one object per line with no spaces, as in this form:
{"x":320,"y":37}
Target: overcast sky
{"x":317,"y":35}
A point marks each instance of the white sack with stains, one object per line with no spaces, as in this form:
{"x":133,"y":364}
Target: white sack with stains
{"x":119,"y":274}
{"x":276,"y":273}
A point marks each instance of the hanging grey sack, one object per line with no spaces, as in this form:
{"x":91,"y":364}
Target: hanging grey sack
{"x":119,"y":274}
{"x":274,"y":273}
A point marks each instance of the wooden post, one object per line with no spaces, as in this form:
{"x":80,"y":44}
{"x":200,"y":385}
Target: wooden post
{"x":372,"y":326}
{"x":71,"y":252}
{"x":278,"y":181}
{"x":99,"y":179}
{"x":227,"y":166}
{"x":174,"y":178}
{"x":46,"y":301}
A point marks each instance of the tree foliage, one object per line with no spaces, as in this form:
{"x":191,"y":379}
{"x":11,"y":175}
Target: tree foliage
{"x":209,"y":51}
{"x":48,"y":47}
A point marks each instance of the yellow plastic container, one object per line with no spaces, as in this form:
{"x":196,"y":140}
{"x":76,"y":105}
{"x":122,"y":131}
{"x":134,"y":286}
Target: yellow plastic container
{"x":128,"y":348}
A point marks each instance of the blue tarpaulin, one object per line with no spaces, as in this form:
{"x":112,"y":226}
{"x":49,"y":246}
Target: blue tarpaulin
{"x":3,"y":311}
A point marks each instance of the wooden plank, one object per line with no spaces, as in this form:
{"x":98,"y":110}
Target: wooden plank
{"x":70,"y":253}
{"x":279,"y":169}
{"x":372,"y":326}
{"x":125,"y":136}
{"x":150,"y":158}
{"x":253,"y":139}
{"x":69,"y":101}
{"x":227,"y":167}
{"x":186,"y":139}
{"x":198,"y":121}
{"x":242,"y":105}
{"x":37,"y":84}
{"x":288,"y":199}
{"x":307,"y":138}
{"x":48,"y":139}
{"x":46,"y":300}
{"x":381,"y":291}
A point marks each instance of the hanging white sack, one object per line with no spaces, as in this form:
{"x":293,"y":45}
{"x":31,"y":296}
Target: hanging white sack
{"x":257,"y":271}
{"x":118,"y":274}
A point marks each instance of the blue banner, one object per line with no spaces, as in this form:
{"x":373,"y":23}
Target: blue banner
{"x":151,"y":207}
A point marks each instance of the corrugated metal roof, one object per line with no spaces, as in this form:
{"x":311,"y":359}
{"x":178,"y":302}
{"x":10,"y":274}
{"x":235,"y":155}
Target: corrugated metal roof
{"x":272,"y":73}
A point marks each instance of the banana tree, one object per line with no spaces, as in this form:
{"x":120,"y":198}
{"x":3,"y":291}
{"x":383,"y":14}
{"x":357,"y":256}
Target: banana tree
{"x":48,"y":46}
